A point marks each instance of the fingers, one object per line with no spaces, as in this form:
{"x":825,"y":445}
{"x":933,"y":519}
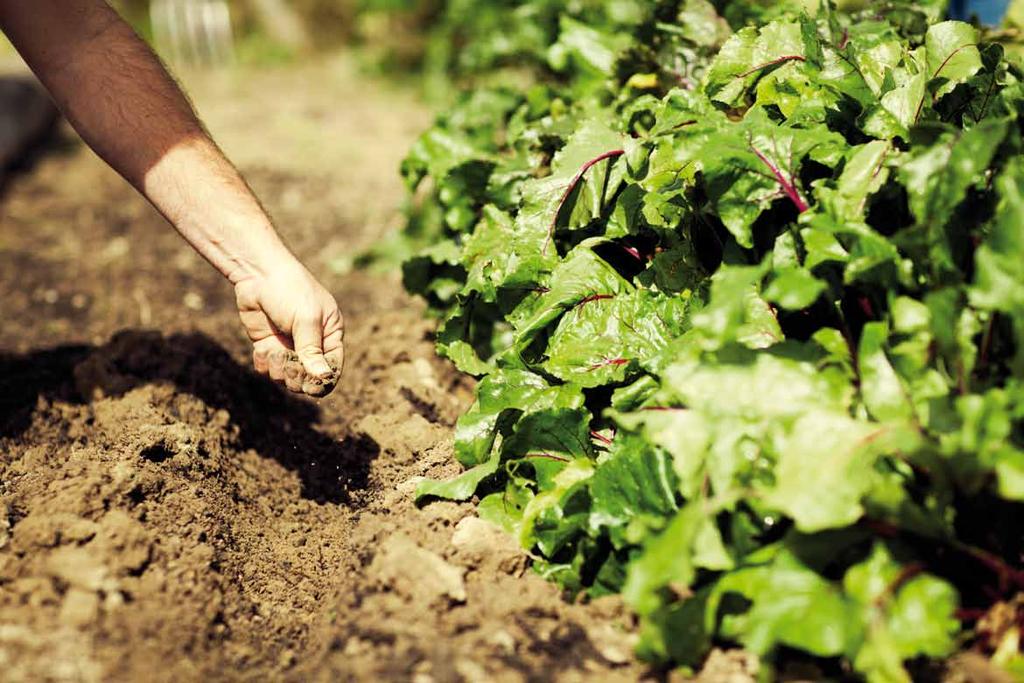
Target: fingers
{"x":281,"y":363}
{"x":307,"y":334}
{"x":334,"y":349}
{"x":269,"y":357}
{"x":334,"y":356}
{"x":273,"y":357}
{"x":297,"y":337}
{"x":294,"y":373}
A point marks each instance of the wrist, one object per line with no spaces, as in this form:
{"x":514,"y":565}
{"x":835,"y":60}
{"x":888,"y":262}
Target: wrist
{"x":261,"y":254}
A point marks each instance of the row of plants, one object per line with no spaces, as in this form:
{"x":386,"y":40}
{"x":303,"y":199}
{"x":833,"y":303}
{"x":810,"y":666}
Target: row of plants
{"x":744,"y":288}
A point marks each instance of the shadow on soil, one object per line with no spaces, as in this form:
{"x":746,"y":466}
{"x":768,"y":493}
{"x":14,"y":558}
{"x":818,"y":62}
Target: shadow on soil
{"x":270,"y":421}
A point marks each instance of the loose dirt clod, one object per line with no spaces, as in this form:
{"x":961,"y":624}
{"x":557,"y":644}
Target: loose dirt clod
{"x":319,"y":387}
{"x":417,"y":573}
{"x":483,"y":544}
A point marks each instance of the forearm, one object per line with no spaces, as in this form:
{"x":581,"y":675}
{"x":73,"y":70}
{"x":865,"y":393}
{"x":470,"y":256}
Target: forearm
{"x":121,"y":100}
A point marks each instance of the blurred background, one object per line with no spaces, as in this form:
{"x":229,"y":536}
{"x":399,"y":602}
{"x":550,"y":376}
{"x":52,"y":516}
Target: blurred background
{"x":221,"y":32}
{"x":441,"y":43}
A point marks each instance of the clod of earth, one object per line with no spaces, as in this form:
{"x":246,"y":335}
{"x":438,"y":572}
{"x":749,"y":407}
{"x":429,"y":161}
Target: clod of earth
{"x":417,"y":573}
{"x":318,"y":387}
{"x":298,"y":380}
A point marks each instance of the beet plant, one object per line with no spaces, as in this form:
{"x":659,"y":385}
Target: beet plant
{"x":748,"y":318}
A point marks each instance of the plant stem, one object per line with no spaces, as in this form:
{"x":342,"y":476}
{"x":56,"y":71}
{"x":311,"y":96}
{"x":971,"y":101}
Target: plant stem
{"x":787,"y":185}
{"x":547,"y":456}
{"x":594,"y":297}
{"x":610,"y":362}
{"x":612,"y":154}
{"x":774,"y":62}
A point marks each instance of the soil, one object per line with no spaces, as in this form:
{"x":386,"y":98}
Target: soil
{"x":166,"y":514}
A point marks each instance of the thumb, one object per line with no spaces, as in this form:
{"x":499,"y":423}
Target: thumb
{"x":308,"y":337}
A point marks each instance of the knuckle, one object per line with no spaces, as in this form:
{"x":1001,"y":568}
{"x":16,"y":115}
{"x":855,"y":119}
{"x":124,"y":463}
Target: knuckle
{"x":335,"y":320}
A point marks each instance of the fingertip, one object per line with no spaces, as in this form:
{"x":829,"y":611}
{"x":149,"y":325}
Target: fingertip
{"x":259,"y":361}
{"x":314,"y":363}
{"x":336,"y":359}
{"x":275,"y":364}
{"x":293,"y":376}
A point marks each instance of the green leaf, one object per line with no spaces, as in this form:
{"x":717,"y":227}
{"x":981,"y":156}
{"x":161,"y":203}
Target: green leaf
{"x":905,"y":614}
{"x":826,"y":467}
{"x":937,"y":180}
{"x":605,"y":340}
{"x":904,"y":93}
{"x":634,"y":484}
{"x":736,"y":311}
{"x":677,"y":632}
{"x":749,"y":166}
{"x":501,"y":395}
{"x":581,"y":275}
{"x":953,"y":55}
{"x":757,"y":384}
{"x":863,"y":175}
{"x":885,"y":395}
{"x":749,"y":54}
{"x":999,"y":278}
{"x":556,"y":433}
{"x":461,"y":487}
{"x":545,"y":199}
{"x":790,"y":605}
{"x":547,"y":519}
{"x":587,"y":47}
{"x":794,"y":288}
{"x":666,"y":559}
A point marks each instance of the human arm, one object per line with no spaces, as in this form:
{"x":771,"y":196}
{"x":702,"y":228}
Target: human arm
{"x":125,"y":105}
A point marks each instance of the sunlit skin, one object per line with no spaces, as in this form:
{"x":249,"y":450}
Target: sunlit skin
{"x":125,"y":105}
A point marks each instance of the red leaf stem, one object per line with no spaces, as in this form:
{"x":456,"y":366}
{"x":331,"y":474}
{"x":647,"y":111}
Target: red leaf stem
{"x":634,"y":252}
{"x":547,"y":456}
{"x":600,"y":437}
{"x":986,"y":341}
{"x":787,"y":185}
{"x":1006,"y":573}
{"x":774,"y":62}
{"x":609,"y":362}
{"x":865,"y":306}
{"x":906,"y":574}
{"x":845,"y":39}
{"x":968,"y":614}
{"x":954,"y":53}
{"x":572,"y":186}
{"x":594,"y":297}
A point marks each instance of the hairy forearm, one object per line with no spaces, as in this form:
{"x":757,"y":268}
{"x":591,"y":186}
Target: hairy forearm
{"x":123,"y":103}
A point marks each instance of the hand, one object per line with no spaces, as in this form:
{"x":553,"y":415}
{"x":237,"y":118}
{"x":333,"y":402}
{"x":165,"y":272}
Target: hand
{"x":295,"y":327}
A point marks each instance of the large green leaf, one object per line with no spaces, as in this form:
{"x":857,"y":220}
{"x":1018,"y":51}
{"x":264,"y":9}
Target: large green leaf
{"x":790,"y":604}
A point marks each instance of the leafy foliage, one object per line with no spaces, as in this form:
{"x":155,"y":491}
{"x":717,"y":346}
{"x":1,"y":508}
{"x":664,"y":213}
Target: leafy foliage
{"x":748,"y":314}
